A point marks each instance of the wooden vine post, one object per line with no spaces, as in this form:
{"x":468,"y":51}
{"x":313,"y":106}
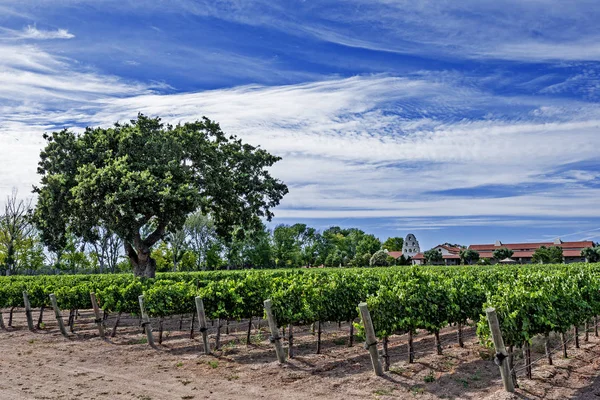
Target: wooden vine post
{"x":146,"y":321}
{"x":501,"y":358}
{"x":98,"y":319}
{"x":202,"y":324}
{"x":371,"y":343}
{"x":275,"y":339}
{"x":2,"y":326}
{"x":61,"y":324}
{"x":28,"y":311}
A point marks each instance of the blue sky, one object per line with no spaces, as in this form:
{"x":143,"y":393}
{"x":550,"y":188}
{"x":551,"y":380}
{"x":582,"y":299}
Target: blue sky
{"x":461,"y":122}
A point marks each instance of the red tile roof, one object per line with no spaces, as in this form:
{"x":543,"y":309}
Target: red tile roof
{"x":531,"y":246}
{"x":451,"y":249}
{"x":395,"y":254}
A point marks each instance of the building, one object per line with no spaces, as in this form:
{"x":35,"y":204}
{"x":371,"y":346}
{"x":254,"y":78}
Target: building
{"x":450,"y":255}
{"x":523,"y":252}
{"x":411,"y":247}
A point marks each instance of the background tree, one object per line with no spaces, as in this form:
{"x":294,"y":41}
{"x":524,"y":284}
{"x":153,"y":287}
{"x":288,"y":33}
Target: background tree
{"x":433,"y":256}
{"x":145,"y":173}
{"x":379,"y":259}
{"x":502,"y":253}
{"x":469,"y":256}
{"x":393,"y":244}
{"x":591,"y":254}
{"x":548,"y":255}
{"x":368,"y":244}
{"x":403,"y":260}
{"x":19,"y":245}
{"x":106,"y":250}
{"x":202,"y":239}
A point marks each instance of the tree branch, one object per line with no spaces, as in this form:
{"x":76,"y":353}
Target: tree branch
{"x":131,"y":253}
{"x":155,"y":236}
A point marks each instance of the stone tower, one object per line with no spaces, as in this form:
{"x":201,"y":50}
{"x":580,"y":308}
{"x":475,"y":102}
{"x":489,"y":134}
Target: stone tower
{"x":410,"y":248}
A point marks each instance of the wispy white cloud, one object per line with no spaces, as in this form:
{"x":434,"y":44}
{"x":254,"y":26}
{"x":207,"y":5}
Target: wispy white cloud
{"x":33,"y":33}
{"x":370,"y":146}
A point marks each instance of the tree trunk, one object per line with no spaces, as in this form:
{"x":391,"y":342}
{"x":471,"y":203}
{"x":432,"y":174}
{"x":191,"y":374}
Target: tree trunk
{"x":411,"y":349}
{"x":144,"y":267}
{"x":438,"y":344}
{"x":547,"y":347}
{"x":290,"y":341}
{"x":192,"y":326}
{"x":114,"y":329}
{"x":459,"y":334}
{"x":576,"y":333}
{"x":160,"y":330}
{"x":386,"y":354}
{"x":218,"y":337}
{"x":528,"y":360}
{"x":319,"y":338}
{"x":351,"y":341}
{"x":564,"y":344}
{"x":40,"y":318}
{"x":586,"y":337}
{"x":596,"y":325}
{"x":249,"y":333}
{"x":72,"y":321}
{"x":10,"y":317}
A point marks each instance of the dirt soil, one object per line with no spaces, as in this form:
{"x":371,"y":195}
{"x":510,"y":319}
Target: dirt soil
{"x":45,"y":365}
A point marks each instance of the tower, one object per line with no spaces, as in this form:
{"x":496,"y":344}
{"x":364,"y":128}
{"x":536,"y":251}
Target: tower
{"x":411,"y":247}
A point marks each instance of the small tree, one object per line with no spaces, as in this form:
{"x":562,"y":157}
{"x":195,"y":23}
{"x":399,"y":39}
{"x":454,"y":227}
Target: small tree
{"x":19,"y":243}
{"x":591,"y":254}
{"x":379,"y":259}
{"x":403,"y":260}
{"x":433,"y":256}
{"x":502,"y":253}
{"x":484,"y":261}
{"x":548,"y":255}
{"x":469,"y":256}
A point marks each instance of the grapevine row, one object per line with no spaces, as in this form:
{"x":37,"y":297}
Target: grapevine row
{"x":530,"y":300}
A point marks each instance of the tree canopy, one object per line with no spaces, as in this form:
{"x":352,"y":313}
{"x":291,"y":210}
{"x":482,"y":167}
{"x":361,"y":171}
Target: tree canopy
{"x":393,"y":244}
{"x":548,"y":255}
{"x":502,"y":253}
{"x":469,"y":256}
{"x":433,"y":256}
{"x":591,"y":254}
{"x":141,"y":179}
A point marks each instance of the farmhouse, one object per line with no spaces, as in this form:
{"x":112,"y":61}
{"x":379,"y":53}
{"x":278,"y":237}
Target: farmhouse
{"x":523,"y":252}
{"x":450,"y":255}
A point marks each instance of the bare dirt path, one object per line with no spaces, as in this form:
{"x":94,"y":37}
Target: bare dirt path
{"x":44,"y":365}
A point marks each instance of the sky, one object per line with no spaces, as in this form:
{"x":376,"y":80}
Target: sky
{"x":464,"y":122}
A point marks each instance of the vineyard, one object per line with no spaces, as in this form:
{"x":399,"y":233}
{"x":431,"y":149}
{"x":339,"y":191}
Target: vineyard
{"x":533,"y":301}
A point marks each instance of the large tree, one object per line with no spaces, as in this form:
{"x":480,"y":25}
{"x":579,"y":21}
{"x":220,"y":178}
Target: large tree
{"x":146,"y":176}
{"x":393,"y":244}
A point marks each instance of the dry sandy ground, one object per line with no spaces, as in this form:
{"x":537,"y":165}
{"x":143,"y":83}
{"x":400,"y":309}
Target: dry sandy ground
{"x":44,"y":365}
